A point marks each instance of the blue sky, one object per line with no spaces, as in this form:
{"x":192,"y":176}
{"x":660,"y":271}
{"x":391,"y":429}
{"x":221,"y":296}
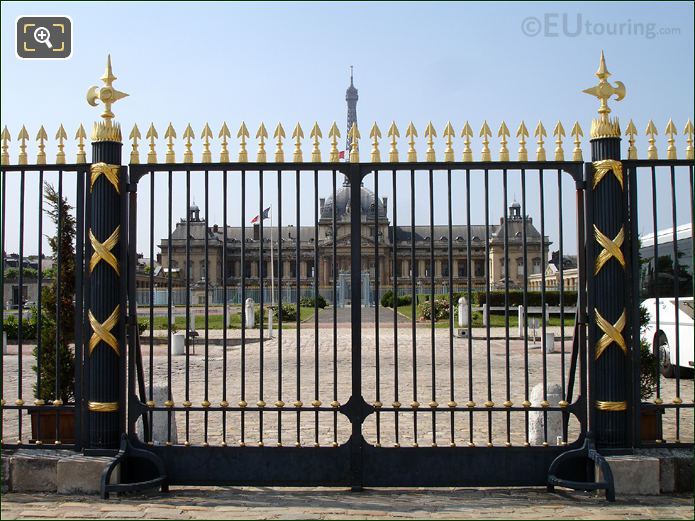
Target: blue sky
{"x":203,"y":62}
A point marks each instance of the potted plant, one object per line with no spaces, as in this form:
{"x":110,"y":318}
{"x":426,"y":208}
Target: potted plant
{"x":55,"y":384}
{"x":650,"y":420}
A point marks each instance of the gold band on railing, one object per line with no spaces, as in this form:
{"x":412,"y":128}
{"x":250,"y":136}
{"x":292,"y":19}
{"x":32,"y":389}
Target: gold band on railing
{"x":601,"y":168}
{"x":611,"y":248}
{"x":102,"y":332}
{"x":102,"y":250}
{"x":611,"y":406}
{"x":611,"y":333}
{"x":109,"y":171}
{"x":102,"y":406}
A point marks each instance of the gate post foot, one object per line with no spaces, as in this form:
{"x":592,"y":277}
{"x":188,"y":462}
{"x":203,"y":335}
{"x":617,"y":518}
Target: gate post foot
{"x":586,"y":451}
{"x":128,"y":452}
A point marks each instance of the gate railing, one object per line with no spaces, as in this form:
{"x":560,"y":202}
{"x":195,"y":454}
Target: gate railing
{"x":606,"y":342}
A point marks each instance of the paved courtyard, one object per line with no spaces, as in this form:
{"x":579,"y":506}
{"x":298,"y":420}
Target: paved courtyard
{"x":329,"y":379}
{"x":321,"y":503}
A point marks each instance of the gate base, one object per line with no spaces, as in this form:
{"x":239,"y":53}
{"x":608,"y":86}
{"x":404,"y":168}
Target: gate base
{"x":127,"y":457}
{"x":588,"y":451}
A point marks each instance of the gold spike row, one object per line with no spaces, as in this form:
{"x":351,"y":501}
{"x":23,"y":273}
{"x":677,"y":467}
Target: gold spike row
{"x":41,"y":137}
{"x":6,"y":138}
{"x":61,"y":136}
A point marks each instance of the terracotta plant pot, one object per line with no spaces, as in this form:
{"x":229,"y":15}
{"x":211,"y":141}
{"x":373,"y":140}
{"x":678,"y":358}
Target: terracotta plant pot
{"x":650,"y":423}
{"x":45,"y":421}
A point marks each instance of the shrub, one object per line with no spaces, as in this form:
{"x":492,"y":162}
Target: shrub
{"x":289,"y":313}
{"x":310,"y":302}
{"x":387,"y":300}
{"x":143,"y":325}
{"x":441,"y":310}
{"x":11,"y":326}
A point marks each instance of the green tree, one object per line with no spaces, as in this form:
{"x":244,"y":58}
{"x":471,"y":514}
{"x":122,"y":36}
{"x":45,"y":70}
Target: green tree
{"x":58,"y":308}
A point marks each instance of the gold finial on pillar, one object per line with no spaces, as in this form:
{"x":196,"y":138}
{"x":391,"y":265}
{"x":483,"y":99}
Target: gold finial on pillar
{"x":188,"y":135}
{"x":206,"y":135}
{"x":354,"y":136}
{"x":522,"y":134}
{"x":224,"y":135}
{"x":279,"y":135}
{"x":316,"y":134}
{"x":577,"y":134}
{"x":671,"y":132}
{"x":449,"y":135}
{"x":631,"y":132}
{"x":41,"y":137}
{"x":559,"y":133}
{"x":134,"y":136}
{"x":467,"y":134}
{"x":430,"y":134}
{"x":651,"y":131}
{"x":297,"y":135}
{"x":485,"y":133}
{"x":540,"y":133}
{"x":106,"y":130}
{"x":243,"y":135}
{"x":688,"y":131}
{"x":261,"y":136}
{"x":61,"y":136}
{"x":80,"y":136}
{"x":604,"y":126}
{"x":503,"y":134}
{"x":375,"y":134}
{"x":152,"y":135}
{"x":411,"y":134}
{"x":170,"y":135}
{"x":334,"y":134}
{"x":23,"y":137}
{"x":394,"y":134}
{"x":6,"y":138}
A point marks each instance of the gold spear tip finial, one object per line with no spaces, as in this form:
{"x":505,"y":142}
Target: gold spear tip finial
{"x":106,"y":94}
{"x":602,"y":72}
{"x":604,"y":127}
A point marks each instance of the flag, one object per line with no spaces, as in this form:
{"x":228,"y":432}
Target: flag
{"x":266,"y":215}
{"x":342,"y":154}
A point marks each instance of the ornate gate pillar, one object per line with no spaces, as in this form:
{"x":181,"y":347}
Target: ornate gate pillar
{"x":609,"y":374}
{"x":107,"y":272}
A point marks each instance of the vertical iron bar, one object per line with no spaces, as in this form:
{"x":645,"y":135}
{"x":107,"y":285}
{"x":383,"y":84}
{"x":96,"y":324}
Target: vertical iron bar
{"x":524,"y":242}
{"x":169,"y":302}
{"x":225,"y":311}
{"x":79,"y":299}
{"x":298,"y":402}
{"x":395,"y":303}
{"x":242,"y":402}
{"x":676,"y":289}
{"x":487,"y":310}
{"x":432,"y":312}
{"x":39,"y":315}
{"x":207,"y":304}
{"x":469,"y":284}
{"x":334,"y":273}
{"x":279,"y":272}
{"x":2,"y":304}
{"x":58,"y":303}
{"x":562,"y":293}
{"x":450,"y":261}
{"x":151,"y":353}
{"x":414,"y":302}
{"x":505,"y":257}
{"x":316,"y":307}
{"x":655,"y":279}
{"x":544,"y":324}
{"x":261,"y":401}
{"x":376,"y":305}
{"x":189,"y":273}
{"x":20,"y":307}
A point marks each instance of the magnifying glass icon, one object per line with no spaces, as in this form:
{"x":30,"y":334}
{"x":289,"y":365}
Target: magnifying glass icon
{"x":43,"y":35}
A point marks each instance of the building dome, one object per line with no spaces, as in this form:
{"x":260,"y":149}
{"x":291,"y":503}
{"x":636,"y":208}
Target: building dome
{"x":342,"y":208}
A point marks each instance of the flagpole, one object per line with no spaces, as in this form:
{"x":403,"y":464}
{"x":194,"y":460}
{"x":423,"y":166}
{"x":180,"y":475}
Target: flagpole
{"x":272,"y":264}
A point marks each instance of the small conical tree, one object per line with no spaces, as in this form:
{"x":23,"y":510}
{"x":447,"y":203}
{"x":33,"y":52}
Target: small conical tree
{"x":58,"y":318}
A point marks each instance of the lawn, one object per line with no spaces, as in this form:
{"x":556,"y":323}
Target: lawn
{"x":496,"y":319}
{"x":215,"y":320}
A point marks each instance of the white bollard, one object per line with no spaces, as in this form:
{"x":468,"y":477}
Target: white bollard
{"x":485,"y":315}
{"x":463,"y":312}
{"x":250,"y":313}
{"x":550,"y":342}
{"x":178,"y":343}
{"x":521,"y":318}
{"x":270,"y":323}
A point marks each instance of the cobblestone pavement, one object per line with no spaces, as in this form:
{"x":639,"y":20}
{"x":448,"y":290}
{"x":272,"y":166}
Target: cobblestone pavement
{"x":269,"y":503}
{"x":418,"y":379}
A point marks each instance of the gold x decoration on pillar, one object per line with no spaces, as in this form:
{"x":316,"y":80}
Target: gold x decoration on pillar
{"x":102,"y":331}
{"x":603,"y":167}
{"x":611,"y":333}
{"x":102,"y":250}
{"x":610,"y":248}
{"x":110,"y":172}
